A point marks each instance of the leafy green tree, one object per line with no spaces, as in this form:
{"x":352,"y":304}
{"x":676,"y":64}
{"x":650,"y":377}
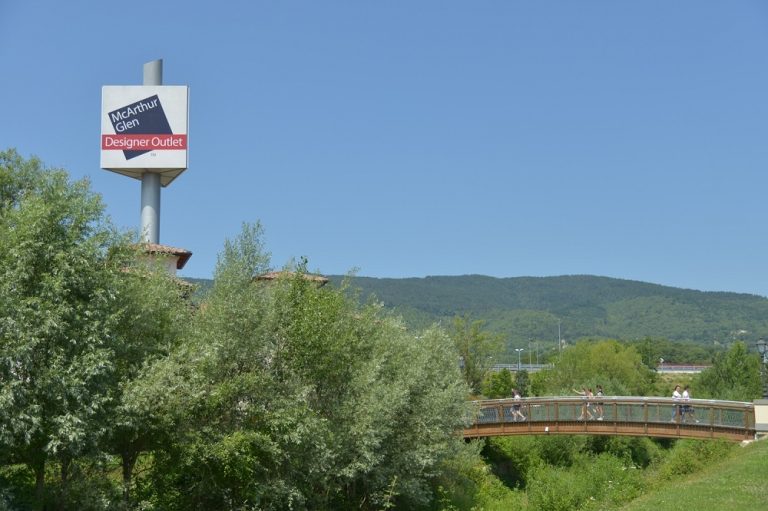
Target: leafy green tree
{"x":617,"y":367}
{"x":498,"y":384}
{"x":76,"y":326}
{"x":300,"y":398}
{"x":734,"y":375}
{"x":153,"y":314}
{"x":523,"y":382}
{"x":674,"y":352}
{"x":57,"y":311}
{"x":477,"y":349}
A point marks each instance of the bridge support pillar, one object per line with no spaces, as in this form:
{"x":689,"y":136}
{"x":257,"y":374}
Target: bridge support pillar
{"x":761,"y":417}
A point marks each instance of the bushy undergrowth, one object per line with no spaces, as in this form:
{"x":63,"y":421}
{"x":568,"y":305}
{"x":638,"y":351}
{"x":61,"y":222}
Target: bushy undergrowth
{"x":592,"y":480}
{"x":16,"y":483}
{"x":513,"y":458}
{"x":91,"y":485}
{"x":581,"y":472}
{"x":640,"y":452}
{"x":467,"y":483}
{"x":690,"y":456}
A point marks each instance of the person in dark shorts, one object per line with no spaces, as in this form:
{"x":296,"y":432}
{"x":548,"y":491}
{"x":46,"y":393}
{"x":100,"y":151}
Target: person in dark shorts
{"x":688,"y":411}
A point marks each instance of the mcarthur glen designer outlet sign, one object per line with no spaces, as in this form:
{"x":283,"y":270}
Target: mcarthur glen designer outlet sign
{"x":144,"y":129}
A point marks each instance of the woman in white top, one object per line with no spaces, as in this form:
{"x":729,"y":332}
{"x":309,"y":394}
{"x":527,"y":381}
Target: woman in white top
{"x":516,"y":407}
{"x":676,"y":409}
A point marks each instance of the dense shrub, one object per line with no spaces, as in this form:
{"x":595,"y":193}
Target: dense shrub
{"x":556,"y":489}
{"x":514,"y":458}
{"x":16,"y":487}
{"x":689,"y":456}
{"x":636,"y":451}
{"x":610,"y":479}
{"x":468,"y":484}
{"x":590,"y":483}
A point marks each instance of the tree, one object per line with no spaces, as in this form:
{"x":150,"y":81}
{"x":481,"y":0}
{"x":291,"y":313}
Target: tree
{"x":674,"y":352}
{"x":299,"y":397}
{"x":522,"y":382}
{"x":498,"y":385}
{"x":734,"y":375}
{"x":57,"y":311}
{"x":477,"y":349}
{"x":617,"y":367}
{"x":151,"y":321}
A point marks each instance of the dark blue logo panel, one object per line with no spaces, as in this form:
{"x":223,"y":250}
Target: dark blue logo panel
{"x":144,"y":117}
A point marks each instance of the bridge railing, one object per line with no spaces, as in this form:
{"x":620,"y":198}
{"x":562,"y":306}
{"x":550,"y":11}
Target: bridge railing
{"x":695,"y":413}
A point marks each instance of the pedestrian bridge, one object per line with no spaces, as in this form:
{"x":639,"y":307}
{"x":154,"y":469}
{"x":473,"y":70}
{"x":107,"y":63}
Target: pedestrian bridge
{"x":628,"y":416}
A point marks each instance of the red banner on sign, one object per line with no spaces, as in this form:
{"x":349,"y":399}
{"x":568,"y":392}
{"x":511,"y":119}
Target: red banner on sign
{"x":144,"y":142}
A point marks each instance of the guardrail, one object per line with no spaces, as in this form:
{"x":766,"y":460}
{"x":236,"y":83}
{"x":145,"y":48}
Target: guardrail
{"x":682,"y":368}
{"x":531,"y":368}
{"x":621,"y":415}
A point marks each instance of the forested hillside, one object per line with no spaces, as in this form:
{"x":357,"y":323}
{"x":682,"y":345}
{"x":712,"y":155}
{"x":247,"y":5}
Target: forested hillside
{"x":529,"y":308}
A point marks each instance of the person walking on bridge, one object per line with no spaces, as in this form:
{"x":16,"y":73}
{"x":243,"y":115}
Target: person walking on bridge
{"x":585,"y":411}
{"x":516,"y":407}
{"x":677,"y":409}
{"x":688,"y":410}
{"x":599,"y":404}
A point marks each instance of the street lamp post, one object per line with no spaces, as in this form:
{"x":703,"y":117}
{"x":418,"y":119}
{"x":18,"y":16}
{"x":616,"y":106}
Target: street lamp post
{"x":518,"y":350}
{"x":762,"y":348}
{"x":530,"y":353}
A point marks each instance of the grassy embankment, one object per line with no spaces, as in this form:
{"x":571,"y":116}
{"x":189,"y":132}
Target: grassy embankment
{"x":737,"y":483}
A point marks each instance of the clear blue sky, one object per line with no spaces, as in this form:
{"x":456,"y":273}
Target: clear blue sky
{"x":413,"y":138}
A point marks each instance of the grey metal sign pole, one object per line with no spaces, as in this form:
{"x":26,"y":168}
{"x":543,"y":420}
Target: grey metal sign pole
{"x":150,"y":181}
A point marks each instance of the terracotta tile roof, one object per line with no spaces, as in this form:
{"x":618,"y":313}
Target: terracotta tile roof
{"x":274,"y":275}
{"x":156,"y":248}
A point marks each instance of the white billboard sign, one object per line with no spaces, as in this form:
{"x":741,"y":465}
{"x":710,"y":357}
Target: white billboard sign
{"x":144,"y":129}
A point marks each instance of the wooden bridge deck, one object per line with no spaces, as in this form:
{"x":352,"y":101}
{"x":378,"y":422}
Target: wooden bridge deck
{"x":628,"y":416}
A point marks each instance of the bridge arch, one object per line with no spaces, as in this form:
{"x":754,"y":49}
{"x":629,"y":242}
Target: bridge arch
{"x":622,"y":415}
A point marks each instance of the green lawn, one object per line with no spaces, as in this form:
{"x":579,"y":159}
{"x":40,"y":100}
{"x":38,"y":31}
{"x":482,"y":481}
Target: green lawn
{"x":739,"y":483}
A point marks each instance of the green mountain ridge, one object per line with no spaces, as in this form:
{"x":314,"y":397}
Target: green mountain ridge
{"x":523,"y":309}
